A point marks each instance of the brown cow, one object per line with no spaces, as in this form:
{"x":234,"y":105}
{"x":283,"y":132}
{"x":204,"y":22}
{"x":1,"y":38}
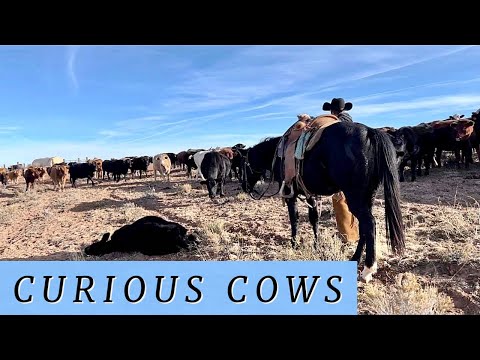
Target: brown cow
{"x":98,"y":167}
{"x":58,"y":174}
{"x":32,"y":174}
{"x":463,"y":127}
{"x":453,"y":135}
{"x":227,"y":151}
{"x":13,"y":175}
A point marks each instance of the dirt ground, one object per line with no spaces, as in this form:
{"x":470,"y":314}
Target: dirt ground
{"x":439,"y":274}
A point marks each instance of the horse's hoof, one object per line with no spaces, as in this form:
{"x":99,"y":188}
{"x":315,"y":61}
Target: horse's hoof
{"x":367,"y":273}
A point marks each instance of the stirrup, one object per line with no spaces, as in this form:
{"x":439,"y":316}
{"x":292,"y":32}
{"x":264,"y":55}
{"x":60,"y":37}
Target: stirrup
{"x":282,"y":191}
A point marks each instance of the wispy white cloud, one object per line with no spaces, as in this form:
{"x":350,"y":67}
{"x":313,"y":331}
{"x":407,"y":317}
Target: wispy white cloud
{"x":450,"y":104}
{"x":8,"y":128}
{"x":72,"y":52}
{"x":267,"y":71}
{"x":112,"y":133}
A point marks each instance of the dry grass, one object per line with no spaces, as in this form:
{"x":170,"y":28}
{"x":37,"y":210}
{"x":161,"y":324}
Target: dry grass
{"x":242,"y":196}
{"x":405,"y":297}
{"x":184,"y":189}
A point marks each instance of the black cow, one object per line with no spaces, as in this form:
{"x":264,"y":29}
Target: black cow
{"x":81,"y":171}
{"x":215,"y":168}
{"x":173,"y":159}
{"x":190,"y":165}
{"x":238,"y":146}
{"x":107,"y":167}
{"x":406,"y":144}
{"x":236,"y":169}
{"x":3,"y":179}
{"x":120,"y":167}
{"x":141,"y":164}
{"x":150,"y":235}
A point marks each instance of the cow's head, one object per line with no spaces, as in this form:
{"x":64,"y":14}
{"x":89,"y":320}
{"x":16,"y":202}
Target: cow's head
{"x":400,"y":145}
{"x":98,"y":248}
{"x":463,"y":129}
{"x":238,"y":146}
{"x":228,"y":152}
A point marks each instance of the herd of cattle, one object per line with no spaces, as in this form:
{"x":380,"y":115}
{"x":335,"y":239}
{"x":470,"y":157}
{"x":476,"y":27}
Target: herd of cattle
{"x":415,"y":145}
{"x":227,"y":159}
{"x":424,"y":143}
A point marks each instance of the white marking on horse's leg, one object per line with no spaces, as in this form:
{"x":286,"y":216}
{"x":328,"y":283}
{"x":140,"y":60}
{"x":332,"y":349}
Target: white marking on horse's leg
{"x":367,"y":273}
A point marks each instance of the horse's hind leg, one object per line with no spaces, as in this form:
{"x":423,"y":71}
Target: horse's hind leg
{"x":313,"y":212}
{"x":293,"y":215}
{"x":358,"y":252}
{"x":367,"y":225}
{"x":367,"y":231}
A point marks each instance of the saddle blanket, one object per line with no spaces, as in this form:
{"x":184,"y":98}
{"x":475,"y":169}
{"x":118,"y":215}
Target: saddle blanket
{"x":309,"y":138}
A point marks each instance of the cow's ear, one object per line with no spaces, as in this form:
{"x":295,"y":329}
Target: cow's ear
{"x":461,"y":116}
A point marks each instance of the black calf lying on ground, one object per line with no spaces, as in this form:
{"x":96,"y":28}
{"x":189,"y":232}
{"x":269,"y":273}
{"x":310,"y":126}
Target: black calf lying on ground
{"x":150,"y":235}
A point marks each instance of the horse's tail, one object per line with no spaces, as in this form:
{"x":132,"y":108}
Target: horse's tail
{"x":385,"y":158}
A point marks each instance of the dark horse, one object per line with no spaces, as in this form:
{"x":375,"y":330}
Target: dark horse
{"x":349,"y":157}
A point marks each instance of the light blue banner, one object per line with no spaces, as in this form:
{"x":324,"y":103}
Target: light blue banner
{"x":178,"y":288}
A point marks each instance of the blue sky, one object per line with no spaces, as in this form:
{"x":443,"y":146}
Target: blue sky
{"x":115,"y":101}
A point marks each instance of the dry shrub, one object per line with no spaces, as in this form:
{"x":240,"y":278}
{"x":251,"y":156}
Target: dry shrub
{"x":405,"y":297}
{"x":150,"y":193}
{"x":215,"y":240}
{"x":330,"y":248}
{"x":214,"y":231}
{"x":184,"y":189}
{"x":77,"y":256}
{"x":459,"y":253}
{"x":456,"y":222}
{"x":242,"y":196}
{"x":132,"y":212}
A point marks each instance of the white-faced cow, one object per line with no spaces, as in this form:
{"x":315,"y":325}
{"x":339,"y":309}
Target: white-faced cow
{"x":162,"y":163}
